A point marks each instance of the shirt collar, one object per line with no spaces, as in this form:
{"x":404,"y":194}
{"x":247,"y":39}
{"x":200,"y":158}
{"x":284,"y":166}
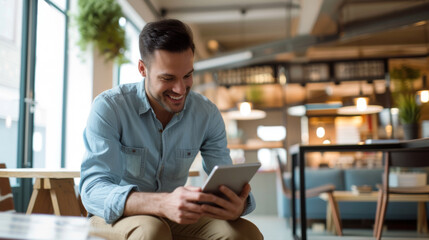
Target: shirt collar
{"x":141,"y":93}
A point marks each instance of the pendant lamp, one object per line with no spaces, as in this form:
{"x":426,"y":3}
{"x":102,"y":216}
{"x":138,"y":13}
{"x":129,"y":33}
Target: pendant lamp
{"x":360,"y":105}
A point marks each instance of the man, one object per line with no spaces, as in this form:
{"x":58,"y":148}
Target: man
{"x":141,"y":140}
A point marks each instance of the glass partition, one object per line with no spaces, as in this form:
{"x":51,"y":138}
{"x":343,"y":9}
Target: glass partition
{"x":10,"y":66}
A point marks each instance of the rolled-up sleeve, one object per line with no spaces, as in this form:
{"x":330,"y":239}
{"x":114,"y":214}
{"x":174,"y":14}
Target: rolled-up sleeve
{"x":102,"y":167}
{"x":215,"y":152}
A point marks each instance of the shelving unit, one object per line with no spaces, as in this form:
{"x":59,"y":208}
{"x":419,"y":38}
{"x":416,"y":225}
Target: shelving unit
{"x":248,"y":147}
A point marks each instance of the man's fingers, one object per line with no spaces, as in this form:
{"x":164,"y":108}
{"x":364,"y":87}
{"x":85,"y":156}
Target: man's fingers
{"x":232,"y":196}
{"x":215,"y":211}
{"x":192,"y":207}
{"x":245,"y":192}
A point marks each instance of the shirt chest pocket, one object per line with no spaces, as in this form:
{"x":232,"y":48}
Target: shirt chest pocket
{"x":134,"y":160}
{"x":183,"y":161}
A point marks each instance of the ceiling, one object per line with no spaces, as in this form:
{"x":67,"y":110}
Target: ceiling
{"x":301,"y":30}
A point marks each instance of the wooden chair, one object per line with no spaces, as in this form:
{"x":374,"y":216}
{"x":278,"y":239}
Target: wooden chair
{"x":413,"y":159}
{"x":313,"y":192}
{"x":6,"y":197}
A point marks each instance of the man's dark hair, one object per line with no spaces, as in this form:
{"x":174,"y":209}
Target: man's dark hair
{"x":169,"y":34}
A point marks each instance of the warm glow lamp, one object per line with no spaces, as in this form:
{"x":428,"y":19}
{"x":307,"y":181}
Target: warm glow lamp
{"x":245,"y":108}
{"x":424,"y":93}
{"x":361,"y":106}
{"x":320,"y":132}
{"x":361,"y":103}
{"x":246,"y":112}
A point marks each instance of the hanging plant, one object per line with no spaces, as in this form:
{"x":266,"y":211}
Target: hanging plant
{"x":98,"y":24}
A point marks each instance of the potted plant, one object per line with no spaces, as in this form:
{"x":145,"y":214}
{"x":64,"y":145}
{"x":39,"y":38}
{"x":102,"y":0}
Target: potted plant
{"x":98,"y":24}
{"x":409,"y":109}
{"x":409,"y":114}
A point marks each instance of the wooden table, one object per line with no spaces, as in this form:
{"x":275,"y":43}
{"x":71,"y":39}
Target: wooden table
{"x":348,"y":196}
{"x":298,"y":160}
{"x":53,"y":191}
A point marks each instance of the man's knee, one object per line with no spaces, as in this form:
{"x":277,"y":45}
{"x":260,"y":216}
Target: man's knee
{"x":134,"y":227}
{"x":242,"y":229}
{"x":150,"y":228}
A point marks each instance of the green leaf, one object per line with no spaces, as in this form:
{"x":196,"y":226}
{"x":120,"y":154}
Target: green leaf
{"x":98,"y":24}
{"x":409,"y":110}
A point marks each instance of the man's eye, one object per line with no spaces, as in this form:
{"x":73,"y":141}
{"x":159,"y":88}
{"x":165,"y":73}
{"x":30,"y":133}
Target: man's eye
{"x":167,"y":79}
{"x":188,"y":76}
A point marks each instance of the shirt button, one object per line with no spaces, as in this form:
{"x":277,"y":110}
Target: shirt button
{"x":160,"y":130}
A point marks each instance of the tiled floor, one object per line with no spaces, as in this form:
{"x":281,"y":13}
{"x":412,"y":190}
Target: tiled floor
{"x":274,"y":228}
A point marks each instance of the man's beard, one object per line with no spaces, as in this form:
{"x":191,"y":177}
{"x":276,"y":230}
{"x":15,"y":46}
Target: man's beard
{"x":163,"y":99}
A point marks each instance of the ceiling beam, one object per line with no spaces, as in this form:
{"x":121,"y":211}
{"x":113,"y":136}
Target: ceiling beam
{"x":386,"y":22}
{"x":268,"y":52}
{"x":309,"y":11}
{"x":232,"y":15}
{"x":219,"y":8}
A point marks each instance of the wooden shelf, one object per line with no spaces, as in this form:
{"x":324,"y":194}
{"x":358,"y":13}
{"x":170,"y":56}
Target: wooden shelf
{"x":256,"y":146}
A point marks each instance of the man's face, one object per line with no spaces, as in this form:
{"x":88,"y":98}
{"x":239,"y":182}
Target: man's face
{"x":168,"y":80}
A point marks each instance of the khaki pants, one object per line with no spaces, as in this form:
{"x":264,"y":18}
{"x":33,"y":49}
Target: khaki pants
{"x":151,"y":227}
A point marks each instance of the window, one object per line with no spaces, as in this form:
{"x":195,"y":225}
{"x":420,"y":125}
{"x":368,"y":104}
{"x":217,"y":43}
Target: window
{"x":48,"y":90}
{"x":128,"y":72}
{"x":271,"y":133}
{"x":10,"y":67}
{"x":79,"y":97}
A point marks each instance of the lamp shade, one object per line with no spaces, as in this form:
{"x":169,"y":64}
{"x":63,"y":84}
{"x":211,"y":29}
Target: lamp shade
{"x":359,"y":105}
{"x":246,"y":112}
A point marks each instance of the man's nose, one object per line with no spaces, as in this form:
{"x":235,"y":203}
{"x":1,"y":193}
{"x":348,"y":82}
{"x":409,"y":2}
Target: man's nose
{"x":179,"y":87}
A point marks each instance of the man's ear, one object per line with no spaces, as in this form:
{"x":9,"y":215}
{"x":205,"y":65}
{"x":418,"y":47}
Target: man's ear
{"x":142,"y":68}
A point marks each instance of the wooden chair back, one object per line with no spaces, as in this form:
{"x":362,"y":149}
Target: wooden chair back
{"x":411,"y":159}
{"x":6,"y":197}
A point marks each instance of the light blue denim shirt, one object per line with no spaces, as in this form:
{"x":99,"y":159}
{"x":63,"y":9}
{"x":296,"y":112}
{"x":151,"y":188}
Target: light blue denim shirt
{"x":128,"y":149}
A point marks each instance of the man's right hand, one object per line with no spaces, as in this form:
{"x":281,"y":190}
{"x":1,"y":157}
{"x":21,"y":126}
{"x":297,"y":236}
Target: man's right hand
{"x":180,"y":205}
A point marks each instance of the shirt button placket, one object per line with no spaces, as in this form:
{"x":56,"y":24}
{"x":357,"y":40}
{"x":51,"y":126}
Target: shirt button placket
{"x":161,"y":170}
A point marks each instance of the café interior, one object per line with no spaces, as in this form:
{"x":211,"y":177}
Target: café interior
{"x":332,"y":94}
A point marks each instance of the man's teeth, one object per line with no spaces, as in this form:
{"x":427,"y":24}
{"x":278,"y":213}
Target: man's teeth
{"x":177,"y":98}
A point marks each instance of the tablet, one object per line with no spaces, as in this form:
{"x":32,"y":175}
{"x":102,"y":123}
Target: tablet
{"x":232,"y":176}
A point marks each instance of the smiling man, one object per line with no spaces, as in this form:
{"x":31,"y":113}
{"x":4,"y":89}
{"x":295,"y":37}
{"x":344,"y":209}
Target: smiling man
{"x":141,"y":140}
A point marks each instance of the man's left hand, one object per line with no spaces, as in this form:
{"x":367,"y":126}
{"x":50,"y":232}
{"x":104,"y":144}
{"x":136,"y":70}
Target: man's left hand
{"x":230,"y":208}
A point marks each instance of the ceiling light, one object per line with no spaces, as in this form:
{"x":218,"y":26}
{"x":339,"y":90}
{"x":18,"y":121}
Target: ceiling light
{"x":326,"y":141}
{"x":245,"y":112}
{"x":424,"y":93}
{"x":361,"y":106}
{"x":361,"y":103}
{"x":245,"y":108}
{"x":320,"y":132}
{"x":213,"y":45}
{"x":298,"y":111}
{"x":424,"y":96}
